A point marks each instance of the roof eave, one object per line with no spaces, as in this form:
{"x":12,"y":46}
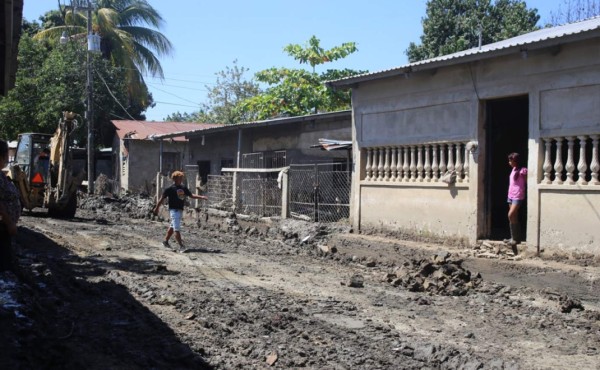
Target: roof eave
{"x":272,"y":122}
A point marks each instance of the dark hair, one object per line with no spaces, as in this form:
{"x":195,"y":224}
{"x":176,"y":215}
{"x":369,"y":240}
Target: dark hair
{"x":515,"y":158}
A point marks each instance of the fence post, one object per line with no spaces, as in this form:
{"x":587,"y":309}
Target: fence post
{"x":234,"y":195}
{"x":316,"y":194}
{"x":191,"y":175}
{"x":263,"y":201}
{"x":159,"y":186}
{"x":285,"y":210}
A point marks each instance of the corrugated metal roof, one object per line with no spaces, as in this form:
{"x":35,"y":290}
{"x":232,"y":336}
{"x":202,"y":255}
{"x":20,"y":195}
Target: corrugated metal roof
{"x":144,"y":130}
{"x":270,"y":122}
{"x":545,"y":37}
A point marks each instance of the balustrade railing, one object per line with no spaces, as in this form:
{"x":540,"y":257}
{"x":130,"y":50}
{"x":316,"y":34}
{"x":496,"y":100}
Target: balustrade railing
{"x":571,"y":160}
{"x":417,"y":163}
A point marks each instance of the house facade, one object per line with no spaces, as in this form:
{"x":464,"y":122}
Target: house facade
{"x":275,"y":167}
{"x":138,"y":157}
{"x":537,"y":94}
{"x":271,"y":143}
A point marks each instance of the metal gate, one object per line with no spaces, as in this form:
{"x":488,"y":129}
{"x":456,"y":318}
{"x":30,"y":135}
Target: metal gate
{"x":259,"y":195}
{"x":320,"y":192}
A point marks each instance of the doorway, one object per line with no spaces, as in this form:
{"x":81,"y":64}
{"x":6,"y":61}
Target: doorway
{"x":507,"y":131}
{"x":203,"y":170}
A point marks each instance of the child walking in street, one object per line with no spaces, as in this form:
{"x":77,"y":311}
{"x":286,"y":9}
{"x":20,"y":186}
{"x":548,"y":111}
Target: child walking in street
{"x":517,"y":187}
{"x":176,"y":195}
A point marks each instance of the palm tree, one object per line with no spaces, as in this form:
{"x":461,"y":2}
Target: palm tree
{"x":125,"y":40}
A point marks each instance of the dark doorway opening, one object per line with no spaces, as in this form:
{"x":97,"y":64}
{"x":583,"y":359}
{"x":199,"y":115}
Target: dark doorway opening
{"x":507,"y":129}
{"x":203,"y":170}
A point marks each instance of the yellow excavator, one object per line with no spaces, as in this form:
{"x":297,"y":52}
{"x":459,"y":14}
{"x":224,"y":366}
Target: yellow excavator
{"x":43,"y":170}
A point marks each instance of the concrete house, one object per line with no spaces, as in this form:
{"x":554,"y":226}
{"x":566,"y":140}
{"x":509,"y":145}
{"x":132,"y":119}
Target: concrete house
{"x":270,"y":143}
{"x":537,"y":94}
{"x":138,"y":158}
{"x":248,"y":165}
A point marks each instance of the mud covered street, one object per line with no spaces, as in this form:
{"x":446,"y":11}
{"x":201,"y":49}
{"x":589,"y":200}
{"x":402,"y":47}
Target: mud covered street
{"x":101,"y":292}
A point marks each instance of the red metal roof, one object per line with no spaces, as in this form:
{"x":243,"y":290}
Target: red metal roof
{"x":141,"y":130}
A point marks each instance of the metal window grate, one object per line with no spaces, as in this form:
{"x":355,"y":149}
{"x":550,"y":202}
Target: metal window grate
{"x":273,"y":159}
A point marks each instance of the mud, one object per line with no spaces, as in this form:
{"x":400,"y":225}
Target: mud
{"x":101,"y":292}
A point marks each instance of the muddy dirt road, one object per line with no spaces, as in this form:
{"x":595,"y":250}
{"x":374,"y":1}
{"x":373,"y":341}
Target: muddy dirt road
{"x":101,"y":292}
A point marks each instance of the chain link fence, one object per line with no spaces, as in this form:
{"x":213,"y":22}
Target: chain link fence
{"x":259,"y":194}
{"x":320,"y":192}
{"x":316,"y":192}
{"x":219,"y":190}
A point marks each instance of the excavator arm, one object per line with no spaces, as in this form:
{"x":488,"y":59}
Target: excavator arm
{"x":61,"y":195}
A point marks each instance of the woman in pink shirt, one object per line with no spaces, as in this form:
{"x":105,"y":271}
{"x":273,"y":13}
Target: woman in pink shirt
{"x":517,"y":187}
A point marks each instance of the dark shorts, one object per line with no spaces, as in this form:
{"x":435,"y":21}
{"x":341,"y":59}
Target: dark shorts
{"x":515,"y":201}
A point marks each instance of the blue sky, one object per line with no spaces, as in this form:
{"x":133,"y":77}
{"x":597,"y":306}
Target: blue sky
{"x":208,"y":36}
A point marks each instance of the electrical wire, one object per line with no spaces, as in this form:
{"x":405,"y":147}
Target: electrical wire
{"x":178,"y":97}
{"x":113,"y":95}
{"x":179,"y":87}
{"x":473,"y":82}
{"x":179,"y":105}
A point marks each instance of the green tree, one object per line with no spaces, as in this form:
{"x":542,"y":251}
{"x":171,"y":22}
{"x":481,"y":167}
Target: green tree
{"x":314,"y":55}
{"x":186,"y":117}
{"x":125,"y":40}
{"x":455,"y":25}
{"x":30,"y":28}
{"x":225,"y":97}
{"x":50,"y":80}
{"x":296,"y":92}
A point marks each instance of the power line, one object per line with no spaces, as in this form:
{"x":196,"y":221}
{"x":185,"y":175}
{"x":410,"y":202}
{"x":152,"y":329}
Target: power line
{"x":178,"y":97}
{"x":179,"y":105}
{"x":179,"y":87}
{"x":113,"y":95}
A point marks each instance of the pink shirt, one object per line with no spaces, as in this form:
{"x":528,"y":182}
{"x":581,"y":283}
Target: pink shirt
{"x":517,"y":186}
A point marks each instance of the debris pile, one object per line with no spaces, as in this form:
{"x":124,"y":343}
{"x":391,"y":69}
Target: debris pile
{"x":440,"y":274}
{"x":494,"y":249}
{"x":133,"y":206}
{"x":103,"y":185}
{"x":568,"y":304}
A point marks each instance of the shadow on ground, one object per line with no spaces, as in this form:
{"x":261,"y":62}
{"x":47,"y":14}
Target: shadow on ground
{"x":68,"y":322}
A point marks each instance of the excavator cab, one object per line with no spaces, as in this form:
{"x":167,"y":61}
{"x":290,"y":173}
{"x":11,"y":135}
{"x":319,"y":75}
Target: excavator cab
{"x":43,"y":170}
{"x":32,"y":168}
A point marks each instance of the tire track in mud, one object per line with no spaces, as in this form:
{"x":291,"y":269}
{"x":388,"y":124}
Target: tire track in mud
{"x":259,"y":297}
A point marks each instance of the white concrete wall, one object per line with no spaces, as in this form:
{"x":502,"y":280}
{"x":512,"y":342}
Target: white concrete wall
{"x":445,"y":211}
{"x":570,"y":221}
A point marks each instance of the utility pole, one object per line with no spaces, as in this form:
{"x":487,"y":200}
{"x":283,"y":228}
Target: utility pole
{"x":90,"y":106}
{"x":93,"y":46}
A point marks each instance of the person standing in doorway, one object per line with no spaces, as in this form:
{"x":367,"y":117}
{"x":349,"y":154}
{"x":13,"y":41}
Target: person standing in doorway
{"x":10,"y":211}
{"x":517,"y":187}
{"x":176,"y":195}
